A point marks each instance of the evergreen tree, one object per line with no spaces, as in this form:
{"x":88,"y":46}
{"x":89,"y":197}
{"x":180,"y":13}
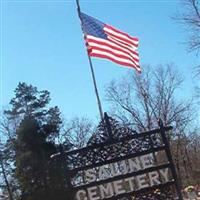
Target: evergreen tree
{"x":35,"y":129}
{"x":38,"y":175}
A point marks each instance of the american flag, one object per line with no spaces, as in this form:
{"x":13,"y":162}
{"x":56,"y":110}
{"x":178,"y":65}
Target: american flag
{"x":105,"y":41}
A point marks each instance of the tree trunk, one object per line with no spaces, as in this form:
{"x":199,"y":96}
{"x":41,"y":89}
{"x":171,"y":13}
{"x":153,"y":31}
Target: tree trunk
{"x":6,"y":180}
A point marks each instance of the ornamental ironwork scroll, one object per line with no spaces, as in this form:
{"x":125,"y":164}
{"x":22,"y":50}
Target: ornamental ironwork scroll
{"x":120,"y":163}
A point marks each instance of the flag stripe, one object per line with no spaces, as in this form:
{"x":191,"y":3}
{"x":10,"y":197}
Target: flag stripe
{"x":106,"y":47}
{"x":125,"y":34}
{"x":94,"y":42}
{"x":119,"y":58}
{"x":121,"y":39}
{"x":114,"y":59}
{"x":122,"y":45}
{"x":111,"y":57}
{"x":117,"y":54}
{"x":120,"y":36}
{"x":112,"y":44}
{"x":95,"y":46}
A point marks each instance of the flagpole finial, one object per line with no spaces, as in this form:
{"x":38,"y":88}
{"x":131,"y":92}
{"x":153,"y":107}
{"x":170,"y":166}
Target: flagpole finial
{"x":78,"y":6}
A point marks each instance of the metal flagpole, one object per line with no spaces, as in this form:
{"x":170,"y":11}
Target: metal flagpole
{"x":91,"y":68}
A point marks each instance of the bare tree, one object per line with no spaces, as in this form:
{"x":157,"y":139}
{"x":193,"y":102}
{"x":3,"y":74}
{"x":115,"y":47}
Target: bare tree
{"x":78,"y":131}
{"x":140,"y":100}
{"x":190,"y":18}
{"x":7,"y":156}
{"x":5,"y":177}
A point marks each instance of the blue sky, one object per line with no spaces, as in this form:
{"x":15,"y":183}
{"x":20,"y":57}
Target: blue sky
{"x":42,"y":45}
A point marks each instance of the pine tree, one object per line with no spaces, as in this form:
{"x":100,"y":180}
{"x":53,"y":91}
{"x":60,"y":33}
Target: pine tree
{"x":35,"y":128}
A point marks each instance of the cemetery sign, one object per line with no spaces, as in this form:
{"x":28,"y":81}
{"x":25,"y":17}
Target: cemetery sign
{"x":135,"y":165}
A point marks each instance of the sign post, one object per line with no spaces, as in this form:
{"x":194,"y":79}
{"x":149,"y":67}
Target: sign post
{"x":169,"y":156}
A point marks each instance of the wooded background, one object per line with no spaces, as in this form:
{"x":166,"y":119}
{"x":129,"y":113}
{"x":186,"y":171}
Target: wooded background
{"x":31,"y":131}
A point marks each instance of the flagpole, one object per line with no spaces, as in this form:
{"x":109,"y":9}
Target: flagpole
{"x":91,"y":68}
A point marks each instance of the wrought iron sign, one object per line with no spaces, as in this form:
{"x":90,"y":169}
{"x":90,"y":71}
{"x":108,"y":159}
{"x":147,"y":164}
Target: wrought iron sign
{"x":119,"y":163}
